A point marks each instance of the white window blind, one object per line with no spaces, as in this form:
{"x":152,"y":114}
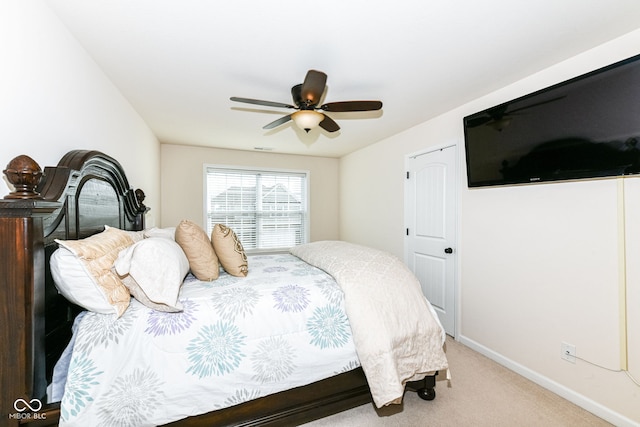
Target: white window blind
{"x":266,"y":209}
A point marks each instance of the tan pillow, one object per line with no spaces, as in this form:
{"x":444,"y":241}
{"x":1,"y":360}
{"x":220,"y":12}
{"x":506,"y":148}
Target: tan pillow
{"x":98,"y":253}
{"x":229,"y":250}
{"x":195,"y":243}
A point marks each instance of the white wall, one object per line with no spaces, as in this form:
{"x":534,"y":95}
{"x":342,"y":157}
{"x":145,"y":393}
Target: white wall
{"x":183,"y":183}
{"x":539,"y":264}
{"x":54,"y":98}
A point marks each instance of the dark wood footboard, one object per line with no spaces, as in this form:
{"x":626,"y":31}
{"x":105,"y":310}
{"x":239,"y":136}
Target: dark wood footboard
{"x":292,"y":407}
{"x":288,"y":408}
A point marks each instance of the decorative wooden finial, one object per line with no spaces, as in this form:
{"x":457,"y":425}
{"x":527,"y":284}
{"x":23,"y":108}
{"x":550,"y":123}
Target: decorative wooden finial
{"x":24,"y":174}
{"x":140,"y":196}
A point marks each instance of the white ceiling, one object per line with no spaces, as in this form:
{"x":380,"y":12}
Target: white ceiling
{"x":179,"y":61}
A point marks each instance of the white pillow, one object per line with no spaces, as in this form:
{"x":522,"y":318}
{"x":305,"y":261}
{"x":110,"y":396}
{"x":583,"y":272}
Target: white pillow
{"x":75,"y":284}
{"x":153,"y":270}
{"x":168,"y":232}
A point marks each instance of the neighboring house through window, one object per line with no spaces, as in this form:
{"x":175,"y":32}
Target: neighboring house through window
{"x":267,"y":209}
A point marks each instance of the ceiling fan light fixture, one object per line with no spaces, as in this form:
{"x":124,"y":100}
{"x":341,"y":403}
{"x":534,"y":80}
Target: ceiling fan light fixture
{"x":307,"y":119}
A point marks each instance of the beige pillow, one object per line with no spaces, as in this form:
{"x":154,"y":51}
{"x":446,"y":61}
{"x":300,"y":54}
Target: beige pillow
{"x":195,"y":243}
{"x":136,"y":236}
{"x":97,"y":253}
{"x":229,"y":250}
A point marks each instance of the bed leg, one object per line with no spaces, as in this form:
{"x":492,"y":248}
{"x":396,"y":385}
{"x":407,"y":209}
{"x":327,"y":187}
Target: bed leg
{"x":428,"y":392}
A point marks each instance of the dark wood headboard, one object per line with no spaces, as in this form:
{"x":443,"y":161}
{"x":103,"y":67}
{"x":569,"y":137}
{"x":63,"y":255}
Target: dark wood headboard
{"x":75,"y":199}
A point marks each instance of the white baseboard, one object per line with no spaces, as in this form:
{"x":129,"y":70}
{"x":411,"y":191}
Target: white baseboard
{"x":582,"y":401}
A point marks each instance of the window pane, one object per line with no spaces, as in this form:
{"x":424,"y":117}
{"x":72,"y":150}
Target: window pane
{"x":266,"y":209}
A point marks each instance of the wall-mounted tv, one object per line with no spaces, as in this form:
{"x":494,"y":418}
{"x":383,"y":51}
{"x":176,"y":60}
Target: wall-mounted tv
{"x":586,"y":127}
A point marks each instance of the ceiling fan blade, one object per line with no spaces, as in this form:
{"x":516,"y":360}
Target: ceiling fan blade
{"x":260,"y":102}
{"x":329,"y":124}
{"x":537,"y":103}
{"x":492,"y":114}
{"x":502,"y":111}
{"x":475,"y":122}
{"x":278,"y":122}
{"x":313,"y":87}
{"x":296,"y":94}
{"x":352,"y":106}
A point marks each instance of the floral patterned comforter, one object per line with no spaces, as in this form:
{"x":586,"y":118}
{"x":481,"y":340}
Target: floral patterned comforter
{"x":282,"y":326}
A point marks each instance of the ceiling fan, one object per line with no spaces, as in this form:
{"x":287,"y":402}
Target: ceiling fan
{"x":306,"y":97}
{"x":500,"y":117}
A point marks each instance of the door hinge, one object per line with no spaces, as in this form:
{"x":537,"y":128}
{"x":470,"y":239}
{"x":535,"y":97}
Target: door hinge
{"x":407,"y":174}
{"x":407,"y":231}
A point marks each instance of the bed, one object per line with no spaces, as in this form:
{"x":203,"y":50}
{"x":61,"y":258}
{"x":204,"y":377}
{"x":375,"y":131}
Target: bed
{"x":87,"y":195}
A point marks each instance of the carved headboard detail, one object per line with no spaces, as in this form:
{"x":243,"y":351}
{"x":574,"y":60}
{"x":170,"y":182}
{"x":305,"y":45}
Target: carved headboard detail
{"x":75,"y":199}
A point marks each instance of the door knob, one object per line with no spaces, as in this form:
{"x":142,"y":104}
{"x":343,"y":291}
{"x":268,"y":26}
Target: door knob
{"x":448,"y":251}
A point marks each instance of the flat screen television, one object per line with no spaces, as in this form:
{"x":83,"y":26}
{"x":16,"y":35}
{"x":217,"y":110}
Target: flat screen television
{"x":586,"y":127}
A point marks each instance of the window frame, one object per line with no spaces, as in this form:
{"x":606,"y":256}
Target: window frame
{"x":306,"y":216}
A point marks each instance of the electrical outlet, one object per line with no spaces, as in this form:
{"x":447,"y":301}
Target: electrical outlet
{"x":568,"y":352}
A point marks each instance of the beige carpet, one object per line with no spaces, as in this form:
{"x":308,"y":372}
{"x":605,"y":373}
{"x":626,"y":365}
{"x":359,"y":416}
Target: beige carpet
{"x":482,"y":393}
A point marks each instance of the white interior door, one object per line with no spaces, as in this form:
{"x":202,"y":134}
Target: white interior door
{"x":430,"y":211}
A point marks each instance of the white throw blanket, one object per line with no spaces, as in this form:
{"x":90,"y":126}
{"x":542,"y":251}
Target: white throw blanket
{"x":395,"y":330}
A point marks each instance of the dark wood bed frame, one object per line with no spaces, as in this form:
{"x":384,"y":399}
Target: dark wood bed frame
{"x":75,"y":199}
